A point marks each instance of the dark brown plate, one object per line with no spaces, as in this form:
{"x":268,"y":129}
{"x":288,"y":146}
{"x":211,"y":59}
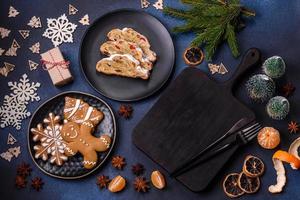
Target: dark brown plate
{"x":121,"y":88}
{"x":73,"y":167}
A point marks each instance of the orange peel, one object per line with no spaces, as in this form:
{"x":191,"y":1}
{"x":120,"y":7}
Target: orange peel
{"x":287,"y":157}
{"x":281,"y":178}
{"x":278,"y":158}
{"x":294,"y":148}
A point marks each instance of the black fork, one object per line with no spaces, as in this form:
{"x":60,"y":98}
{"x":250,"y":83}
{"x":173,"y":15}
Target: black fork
{"x":242,"y":137}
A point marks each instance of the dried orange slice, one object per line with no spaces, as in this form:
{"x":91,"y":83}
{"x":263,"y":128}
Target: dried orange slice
{"x":268,"y":138}
{"x":193,"y":56}
{"x":231,"y":187}
{"x":253,"y":166}
{"x":287,"y":157}
{"x":248,"y":184}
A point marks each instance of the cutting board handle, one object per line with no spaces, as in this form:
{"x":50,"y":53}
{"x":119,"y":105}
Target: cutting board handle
{"x":250,"y":59}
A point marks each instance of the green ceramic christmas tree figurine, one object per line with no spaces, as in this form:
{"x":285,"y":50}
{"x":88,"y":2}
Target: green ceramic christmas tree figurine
{"x":260,"y":87}
{"x":274,"y":67}
{"x":278,"y":107}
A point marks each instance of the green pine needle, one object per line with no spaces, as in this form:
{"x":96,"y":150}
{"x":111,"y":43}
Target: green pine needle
{"x":213,"y":21}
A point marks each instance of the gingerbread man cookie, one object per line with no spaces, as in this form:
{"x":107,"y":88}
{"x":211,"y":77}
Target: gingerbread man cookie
{"x":78,"y":111}
{"x":79,"y":138}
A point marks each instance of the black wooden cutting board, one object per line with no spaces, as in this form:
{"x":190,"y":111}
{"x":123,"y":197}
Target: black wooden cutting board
{"x":190,"y":115}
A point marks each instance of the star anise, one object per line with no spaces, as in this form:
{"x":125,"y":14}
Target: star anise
{"x":37,"y":183}
{"x":24,"y":170}
{"x":20,"y":182}
{"x":141,"y":184}
{"x":102,"y":181}
{"x":293,"y":127}
{"x":125,"y":111}
{"x":137,"y":169}
{"x":118,"y":162}
{"x":288,"y":89}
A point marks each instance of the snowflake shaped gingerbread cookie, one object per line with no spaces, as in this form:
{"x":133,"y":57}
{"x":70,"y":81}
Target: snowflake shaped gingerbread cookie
{"x":51,"y":142}
{"x":14,"y":108}
{"x":59,"y":30}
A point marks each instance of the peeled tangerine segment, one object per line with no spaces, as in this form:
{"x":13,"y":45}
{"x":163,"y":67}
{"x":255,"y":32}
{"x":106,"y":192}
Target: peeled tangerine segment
{"x":281,"y":179}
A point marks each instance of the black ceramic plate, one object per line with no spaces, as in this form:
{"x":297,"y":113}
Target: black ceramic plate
{"x":72,"y":168}
{"x":120,"y":88}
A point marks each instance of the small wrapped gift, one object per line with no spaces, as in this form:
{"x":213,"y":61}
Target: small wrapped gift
{"x":58,"y":69}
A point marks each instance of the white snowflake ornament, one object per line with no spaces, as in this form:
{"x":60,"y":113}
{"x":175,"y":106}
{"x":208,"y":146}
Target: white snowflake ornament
{"x":59,"y":30}
{"x":35,"y":22}
{"x":14,"y":108}
{"x":12,"y":12}
{"x":35,"y":48}
{"x":85,"y":20}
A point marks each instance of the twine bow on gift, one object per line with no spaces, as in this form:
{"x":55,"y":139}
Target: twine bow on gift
{"x":63,"y":64}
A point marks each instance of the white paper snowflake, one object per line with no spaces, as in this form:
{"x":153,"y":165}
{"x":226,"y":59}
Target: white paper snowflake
{"x":51,"y":142}
{"x":59,"y":30}
{"x":14,"y":107}
{"x":4,"y":32}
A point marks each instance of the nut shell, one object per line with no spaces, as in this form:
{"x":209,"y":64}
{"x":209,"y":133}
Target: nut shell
{"x":117,"y":184}
{"x":158,"y":180}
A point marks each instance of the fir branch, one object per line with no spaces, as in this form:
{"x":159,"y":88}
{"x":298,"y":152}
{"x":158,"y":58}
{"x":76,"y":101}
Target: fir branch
{"x":213,"y":21}
{"x":177,"y":13}
{"x":183,"y":29}
{"x":231,"y":40}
